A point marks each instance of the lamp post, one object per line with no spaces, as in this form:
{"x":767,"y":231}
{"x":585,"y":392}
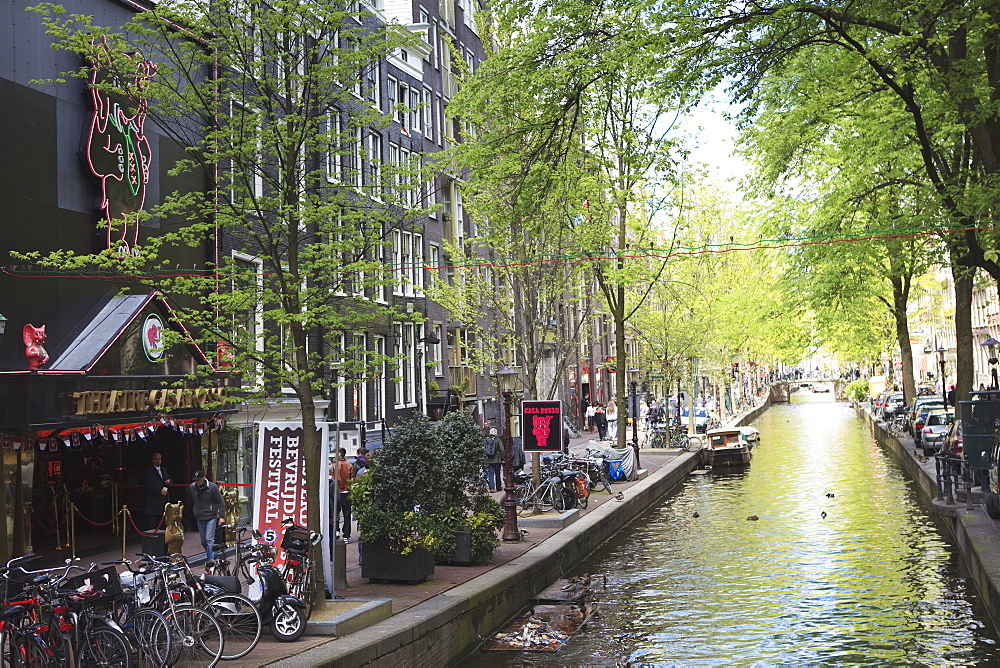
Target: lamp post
{"x":633,"y":375}
{"x":991,"y":346}
{"x":944,"y":390}
{"x":507,"y":379}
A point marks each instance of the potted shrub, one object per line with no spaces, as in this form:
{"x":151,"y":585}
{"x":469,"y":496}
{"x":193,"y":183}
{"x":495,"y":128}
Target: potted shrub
{"x":425,"y":485}
{"x":393,"y":504}
{"x":468,"y":523}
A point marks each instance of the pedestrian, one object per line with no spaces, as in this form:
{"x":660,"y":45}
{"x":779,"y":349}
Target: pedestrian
{"x":344,"y":479}
{"x":601,"y":422}
{"x":612,"y":415}
{"x":361,"y":462}
{"x":591,"y":412}
{"x":208,"y":508}
{"x":951,"y":395}
{"x":155,"y":488}
{"x":493,"y":450}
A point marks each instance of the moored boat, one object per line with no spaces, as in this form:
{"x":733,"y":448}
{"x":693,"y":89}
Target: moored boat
{"x":727,"y":447}
{"x":751,"y":434}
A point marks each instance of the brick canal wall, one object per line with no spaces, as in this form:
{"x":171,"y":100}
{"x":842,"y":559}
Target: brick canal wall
{"x":974,"y":533}
{"x":453,"y":624}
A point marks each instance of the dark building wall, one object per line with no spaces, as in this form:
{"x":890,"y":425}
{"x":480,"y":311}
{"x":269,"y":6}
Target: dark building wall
{"x":49,"y":200}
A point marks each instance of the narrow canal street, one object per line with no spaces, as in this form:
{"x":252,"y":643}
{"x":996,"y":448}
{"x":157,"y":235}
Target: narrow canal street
{"x":842,"y":566}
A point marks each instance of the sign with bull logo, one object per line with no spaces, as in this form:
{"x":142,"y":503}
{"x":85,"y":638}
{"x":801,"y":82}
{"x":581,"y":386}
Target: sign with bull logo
{"x":152,"y":338}
{"x":541,"y":426}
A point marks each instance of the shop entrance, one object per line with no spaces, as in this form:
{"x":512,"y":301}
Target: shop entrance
{"x":79,"y":491}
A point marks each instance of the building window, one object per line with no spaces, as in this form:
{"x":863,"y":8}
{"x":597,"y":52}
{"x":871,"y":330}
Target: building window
{"x":378,"y":407}
{"x":333,"y":154}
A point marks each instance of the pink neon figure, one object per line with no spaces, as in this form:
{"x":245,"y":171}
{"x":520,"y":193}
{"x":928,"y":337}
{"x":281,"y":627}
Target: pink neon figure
{"x":33,"y":338}
{"x":540,"y":427}
{"x":118,"y":151}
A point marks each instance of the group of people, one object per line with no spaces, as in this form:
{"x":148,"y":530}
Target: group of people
{"x":204,"y":500}
{"x":603,"y":418}
{"x":342,"y":476}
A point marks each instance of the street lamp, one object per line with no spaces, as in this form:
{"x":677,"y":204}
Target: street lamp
{"x":991,"y":346}
{"x":507,"y":380}
{"x":944,"y":391}
{"x":633,"y":376}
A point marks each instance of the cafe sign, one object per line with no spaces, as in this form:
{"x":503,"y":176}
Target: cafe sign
{"x":133,"y":401}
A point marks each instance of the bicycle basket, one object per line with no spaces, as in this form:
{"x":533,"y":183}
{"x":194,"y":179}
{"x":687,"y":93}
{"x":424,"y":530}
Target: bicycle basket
{"x":100,"y":586}
{"x":295,"y":539}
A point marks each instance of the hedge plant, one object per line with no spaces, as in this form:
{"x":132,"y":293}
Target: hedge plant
{"x":425,"y":483}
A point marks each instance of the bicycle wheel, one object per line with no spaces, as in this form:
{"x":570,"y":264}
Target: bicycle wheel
{"x":309,"y":589}
{"x":240,"y":621}
{"x":606,"y":481}
{"x":197,"y":637}
{"x":105,"y":646}
{"x":28,"y":650}
{"x":546,"y":500}
{"x":525,"y":501}
{"x":152,"y":640}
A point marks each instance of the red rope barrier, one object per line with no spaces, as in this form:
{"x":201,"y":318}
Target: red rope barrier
{"x":140,"y":531}
{"x":41,"y":525}
{"x":96,"y":524}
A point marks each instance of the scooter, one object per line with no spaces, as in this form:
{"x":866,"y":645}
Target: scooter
{"x":284,"y":613}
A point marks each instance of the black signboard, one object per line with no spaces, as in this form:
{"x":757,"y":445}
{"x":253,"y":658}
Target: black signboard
{"x":541,"y":426}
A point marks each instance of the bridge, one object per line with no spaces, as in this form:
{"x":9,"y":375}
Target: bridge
{"x":781,"y":392}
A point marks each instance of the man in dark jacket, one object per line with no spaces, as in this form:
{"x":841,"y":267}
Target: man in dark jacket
{"x":208,"y":508}
{"x":155,"y":486}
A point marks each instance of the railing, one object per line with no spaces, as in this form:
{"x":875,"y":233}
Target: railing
{"x":953,"y":474}
{"x":465,"y":377}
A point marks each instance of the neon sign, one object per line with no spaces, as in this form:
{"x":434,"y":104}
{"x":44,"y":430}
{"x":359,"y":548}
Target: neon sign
{"x":118,"y":152}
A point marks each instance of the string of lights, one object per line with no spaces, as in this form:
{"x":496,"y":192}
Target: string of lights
{"x":564,"y":259}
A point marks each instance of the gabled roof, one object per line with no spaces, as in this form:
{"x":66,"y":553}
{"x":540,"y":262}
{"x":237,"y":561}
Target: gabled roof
{"x":105,"y":329}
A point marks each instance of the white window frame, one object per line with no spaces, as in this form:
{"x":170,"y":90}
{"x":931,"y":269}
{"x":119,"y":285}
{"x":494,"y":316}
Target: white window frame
{"x":334,"y":157}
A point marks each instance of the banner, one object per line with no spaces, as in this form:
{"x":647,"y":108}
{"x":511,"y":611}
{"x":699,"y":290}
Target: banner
{"x":541,"y":427}
{"x":280,"y":483}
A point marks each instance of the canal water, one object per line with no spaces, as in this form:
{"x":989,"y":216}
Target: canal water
{"x":843,"y":566}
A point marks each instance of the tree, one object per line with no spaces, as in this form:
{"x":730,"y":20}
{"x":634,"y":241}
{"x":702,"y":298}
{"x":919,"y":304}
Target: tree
{"x":268,"y":102}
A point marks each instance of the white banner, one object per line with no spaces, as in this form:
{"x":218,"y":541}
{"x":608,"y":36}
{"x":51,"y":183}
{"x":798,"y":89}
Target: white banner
{"x":280,"y":485}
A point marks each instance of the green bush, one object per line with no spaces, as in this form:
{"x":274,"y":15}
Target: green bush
{"x":424,"y":484}
{"x":858,"y":391}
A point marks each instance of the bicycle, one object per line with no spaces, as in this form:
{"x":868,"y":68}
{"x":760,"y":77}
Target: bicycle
{"x":549,"y":495}
{"x":299,"y":569}
{"x":197,"y":636}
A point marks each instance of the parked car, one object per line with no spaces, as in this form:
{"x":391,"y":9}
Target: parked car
{"x":893,"y":403}
{"x":878,"y":401}
{"x":952,"y":443}
{"x":936,"y":427}
{"x":921,"y":419}
{"x":920,"y":401}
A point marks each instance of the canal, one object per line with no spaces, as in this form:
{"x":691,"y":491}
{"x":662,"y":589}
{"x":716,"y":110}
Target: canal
{"x":843,"y":565}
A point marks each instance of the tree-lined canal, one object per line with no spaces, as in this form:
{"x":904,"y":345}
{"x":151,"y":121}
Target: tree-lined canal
{"x":694,"y":582}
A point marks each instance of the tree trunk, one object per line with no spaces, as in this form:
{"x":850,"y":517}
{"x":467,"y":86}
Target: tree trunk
{"x":313,"y":455}
{"x":964,"y":359}
{"x":899,"y":297}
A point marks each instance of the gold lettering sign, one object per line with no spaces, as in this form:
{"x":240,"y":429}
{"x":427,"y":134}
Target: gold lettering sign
{"x":130,"y":401}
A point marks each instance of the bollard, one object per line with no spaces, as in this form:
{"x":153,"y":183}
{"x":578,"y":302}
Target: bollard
{"x":124,"y":528}
{"x":339,"y":566}
{"x":72,"y":530}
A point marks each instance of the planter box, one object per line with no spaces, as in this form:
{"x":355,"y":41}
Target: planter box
{"x":463,"y":550}
{"x":380,"y":563}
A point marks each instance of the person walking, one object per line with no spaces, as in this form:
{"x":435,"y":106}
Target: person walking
{"x":601,"y":422}
{"x":591,"y":412}
{"x":208,"y":508}
{"x":155,"y":489}
{"x":612,"y":415}
{"x":493,"y":449}
{"x":344,"y":472}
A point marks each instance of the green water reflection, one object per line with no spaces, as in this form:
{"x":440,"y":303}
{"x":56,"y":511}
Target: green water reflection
{"x":873,"y":582}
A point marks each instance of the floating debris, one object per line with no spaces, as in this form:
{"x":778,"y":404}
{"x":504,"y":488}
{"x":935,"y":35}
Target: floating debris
{"x":752,"y":518}
{"x":823,"y":514}
{"x":696,"y":515}
{"x":830,"y":495}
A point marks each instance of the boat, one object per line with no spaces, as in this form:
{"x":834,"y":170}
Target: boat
{"x":751,"y":434}
{"x":728,"y":447}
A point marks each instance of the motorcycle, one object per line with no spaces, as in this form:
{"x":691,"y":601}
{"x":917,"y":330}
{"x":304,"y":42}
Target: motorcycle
{"x":282,"y":612}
